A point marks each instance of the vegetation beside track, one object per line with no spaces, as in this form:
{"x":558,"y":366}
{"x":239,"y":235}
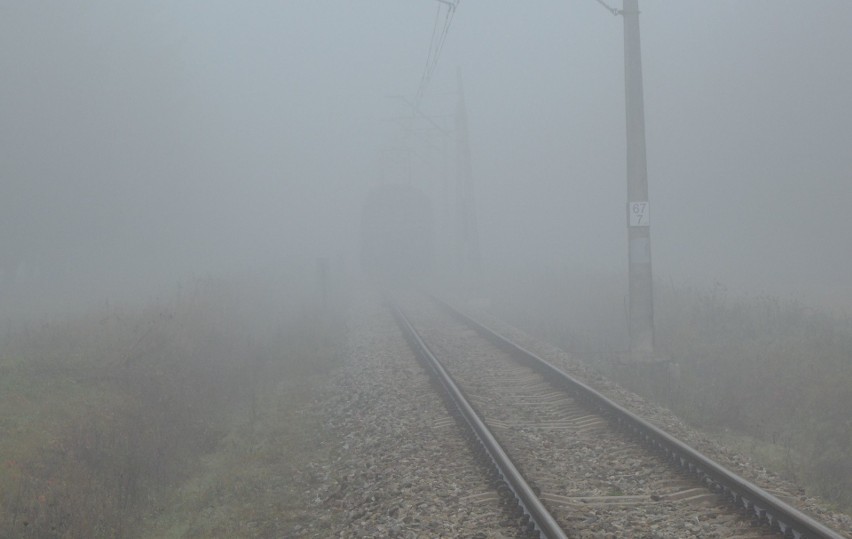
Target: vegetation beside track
{"x":117,"y":422}
{"x":774,"y":376}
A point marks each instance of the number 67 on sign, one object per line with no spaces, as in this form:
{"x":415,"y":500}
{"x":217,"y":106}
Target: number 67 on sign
{"x":639,"y":213}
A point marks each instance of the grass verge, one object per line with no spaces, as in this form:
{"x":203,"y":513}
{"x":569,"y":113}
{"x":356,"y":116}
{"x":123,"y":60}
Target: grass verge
{"x":112,"y":420}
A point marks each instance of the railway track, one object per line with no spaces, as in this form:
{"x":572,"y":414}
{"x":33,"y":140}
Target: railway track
{"x":579,"y":464}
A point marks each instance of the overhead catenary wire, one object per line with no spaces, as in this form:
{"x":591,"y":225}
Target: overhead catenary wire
{"x":432,"y":43}
{"x":436,"y":45}
{"x":440,"y":30}
{"x":435,"y":48}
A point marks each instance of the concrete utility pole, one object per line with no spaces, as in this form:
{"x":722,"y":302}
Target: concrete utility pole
{"x":641,"y":296}
{"x":468,"y":239}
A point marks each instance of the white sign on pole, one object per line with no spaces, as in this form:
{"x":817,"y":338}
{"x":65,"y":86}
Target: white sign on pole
{"x":640,"y":213}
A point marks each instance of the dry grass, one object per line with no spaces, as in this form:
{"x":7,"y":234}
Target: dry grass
{"x":104,"y":416}
{"x":255,"y":483}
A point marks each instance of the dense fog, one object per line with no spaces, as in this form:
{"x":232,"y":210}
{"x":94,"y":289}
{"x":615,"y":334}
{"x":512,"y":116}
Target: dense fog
{"x":147,"y":143}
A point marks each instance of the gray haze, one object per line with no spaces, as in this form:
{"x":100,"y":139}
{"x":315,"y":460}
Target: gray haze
{"x":142,"y":143}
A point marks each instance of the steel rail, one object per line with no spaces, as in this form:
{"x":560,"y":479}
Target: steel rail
{"x":538,"y":514}
{"x":779,"y":515}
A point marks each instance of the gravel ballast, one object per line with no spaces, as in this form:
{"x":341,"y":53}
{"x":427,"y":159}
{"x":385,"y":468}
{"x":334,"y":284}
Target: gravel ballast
{"x":401,"y":465}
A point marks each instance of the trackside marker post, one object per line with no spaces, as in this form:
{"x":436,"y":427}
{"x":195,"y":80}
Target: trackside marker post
{"x":640,"y":286}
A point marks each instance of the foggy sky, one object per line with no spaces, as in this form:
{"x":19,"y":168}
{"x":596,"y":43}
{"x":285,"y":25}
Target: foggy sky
{"x":142,"y":142}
